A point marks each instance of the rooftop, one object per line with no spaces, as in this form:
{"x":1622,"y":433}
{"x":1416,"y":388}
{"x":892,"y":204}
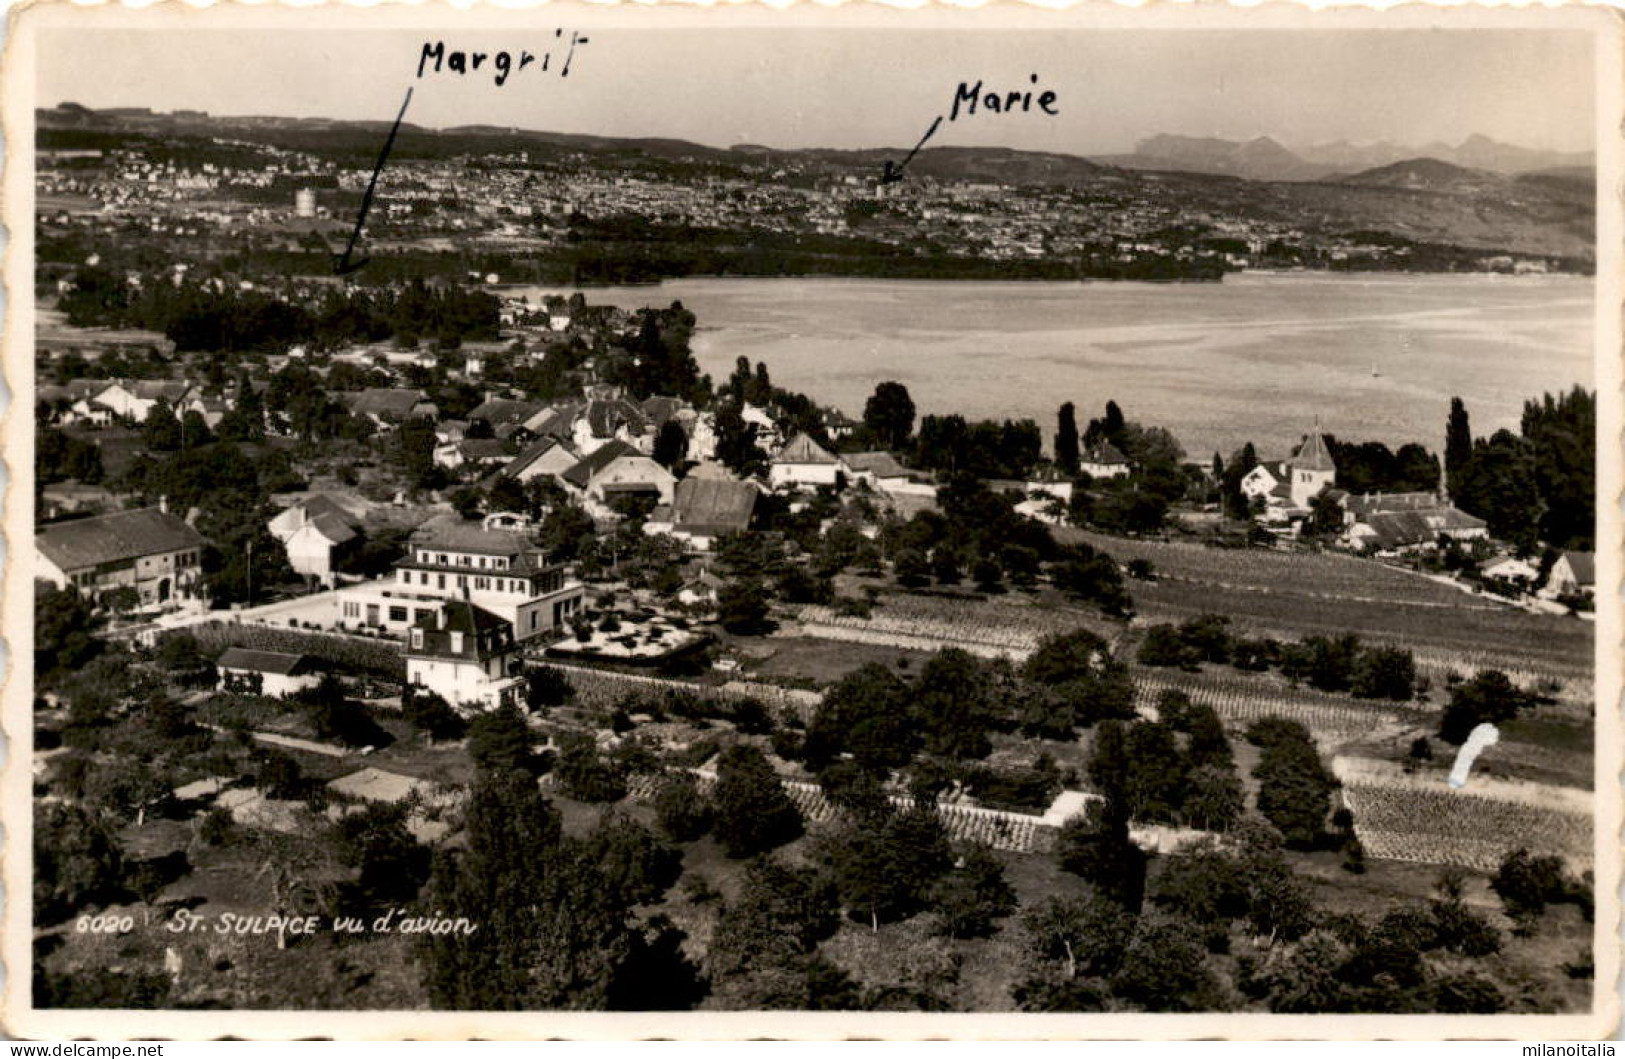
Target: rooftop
{"x":120,"y":536}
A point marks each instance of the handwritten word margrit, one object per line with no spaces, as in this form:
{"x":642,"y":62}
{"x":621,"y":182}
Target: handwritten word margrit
{"x":436,"y":58}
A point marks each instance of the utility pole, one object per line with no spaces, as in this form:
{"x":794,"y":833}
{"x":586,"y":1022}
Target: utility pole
{"x":251,"y":571}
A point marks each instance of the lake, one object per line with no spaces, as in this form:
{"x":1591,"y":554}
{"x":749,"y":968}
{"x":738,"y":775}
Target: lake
{"x":1256,"y":358}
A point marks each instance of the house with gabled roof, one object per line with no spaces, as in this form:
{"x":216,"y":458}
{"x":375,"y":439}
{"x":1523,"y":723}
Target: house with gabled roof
{"x":318,"y":533}
{"x":498,"y":411}
{"x":804,"y":462}
{"x":546,"y":457}
{"x":618,"y":469}
{"x":266,"y":672}
{"x":387,"y":407}
{"x":148,"y":549}
{"x":134,"y":399}
{"x":466,"y":655}
{"x":705,"y":510}
{"x":1573,"y":574}
{"x":1103,"y":460}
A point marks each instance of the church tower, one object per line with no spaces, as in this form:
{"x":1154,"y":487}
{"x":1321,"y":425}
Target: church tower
{"x":1312,"y":469}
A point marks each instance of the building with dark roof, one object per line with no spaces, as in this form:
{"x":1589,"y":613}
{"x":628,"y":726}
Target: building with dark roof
{"x":708,"y":508}
{"x":468,"y":657}
{"x":387,"y":406}
{"x":148,"y":549}
{"x":615,"y":469}
{"x":266,"y":672}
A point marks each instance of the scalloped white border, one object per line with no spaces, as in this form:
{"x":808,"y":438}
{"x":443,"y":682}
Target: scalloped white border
{"x":18,"y":1019}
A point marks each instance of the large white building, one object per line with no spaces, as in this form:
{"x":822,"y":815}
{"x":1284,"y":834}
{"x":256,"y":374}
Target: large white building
{"x":451,"y":559}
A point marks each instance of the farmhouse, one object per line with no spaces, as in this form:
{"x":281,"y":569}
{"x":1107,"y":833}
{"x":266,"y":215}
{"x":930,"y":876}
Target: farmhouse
{"x":547,"y":456}
{"x":148,"y":550}
{"x":617,"y":469}
{"x":803,"y":461}
{"x":705,"y":510}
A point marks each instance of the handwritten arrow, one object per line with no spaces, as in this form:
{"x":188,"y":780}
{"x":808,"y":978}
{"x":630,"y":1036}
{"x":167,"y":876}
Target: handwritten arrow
{"x":342,"y":264}
{"x":893,"y":173}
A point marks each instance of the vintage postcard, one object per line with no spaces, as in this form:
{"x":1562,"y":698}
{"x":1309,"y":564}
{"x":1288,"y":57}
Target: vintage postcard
{"x":629,"y":521}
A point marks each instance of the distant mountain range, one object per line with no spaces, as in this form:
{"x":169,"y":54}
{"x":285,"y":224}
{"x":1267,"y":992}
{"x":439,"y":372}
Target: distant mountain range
{"x":1485,"y":194}
{"x":1264,"y":158}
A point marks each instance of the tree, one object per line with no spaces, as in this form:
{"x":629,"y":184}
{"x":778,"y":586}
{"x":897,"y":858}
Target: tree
{"x":1164,"y":969}
{"x":1154,"y":783}
{"x":1097,"y":847}
{"x":889,"y":415}
{"x":1214,"y":800}
{"x":1384,"y":673}
{"x":390,"y":864}
{"x":76,"y":860}
{"x":500,"y":740}
{"x":973,"y":896}
{"x":546,"y":686}
{"x":761,"y":952}
{"x":513,"y":840}
{"x":635,"y":867}
{"x":1087,"y":936}
{"x":63,"y":622}
{"x":584,"y":774}
{"x":1294,"y":788}
{"x":742,"y":607}
{"x":885,"y":872}
{"x":671,"y":445}
{"x":279,"y":775}
{"x":753,"y":814}
{"x":1526,"y":884}
{"x":683,"y":813}
{"x":953,"y":699}
{"x":1458,"y":447}
{"x":1066,"y":439}
{"x":868,"y":714}
{"x":431,"y":714}
{"x":1501,"y":485}
{"x":161,"y":430}
{"x":1488,"y":698}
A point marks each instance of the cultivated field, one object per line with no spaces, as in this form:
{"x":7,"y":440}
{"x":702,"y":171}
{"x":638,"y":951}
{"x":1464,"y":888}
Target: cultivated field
{"x":985,"y":628}
{"x":1420,"y":818}
{"x":1242,"y":698}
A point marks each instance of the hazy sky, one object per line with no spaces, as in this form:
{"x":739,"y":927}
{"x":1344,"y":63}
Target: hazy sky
{"x":875,"y":87}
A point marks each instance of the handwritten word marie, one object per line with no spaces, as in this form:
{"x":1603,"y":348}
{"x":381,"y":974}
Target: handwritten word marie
{"x":1020,"y":100}
{"x":435,"y":59}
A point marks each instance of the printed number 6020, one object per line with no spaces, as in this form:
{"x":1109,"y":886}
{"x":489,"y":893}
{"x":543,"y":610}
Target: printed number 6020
{"x":104,"y":924}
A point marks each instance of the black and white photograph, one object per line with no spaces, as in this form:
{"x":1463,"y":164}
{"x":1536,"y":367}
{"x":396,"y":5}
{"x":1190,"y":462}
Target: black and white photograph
{"x":857,"y":515}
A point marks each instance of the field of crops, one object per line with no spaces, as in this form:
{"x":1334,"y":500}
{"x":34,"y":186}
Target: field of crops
{"x":1530,"y":647}
{"x":604,"y":689}
{"x":930,"y":623}
{"x":1418,"y":818}
{"x":1242,"y":698}
{"x":1307,"y":574}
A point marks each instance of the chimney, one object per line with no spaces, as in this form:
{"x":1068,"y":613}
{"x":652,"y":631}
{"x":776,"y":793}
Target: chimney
{"x":163,"y":504}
